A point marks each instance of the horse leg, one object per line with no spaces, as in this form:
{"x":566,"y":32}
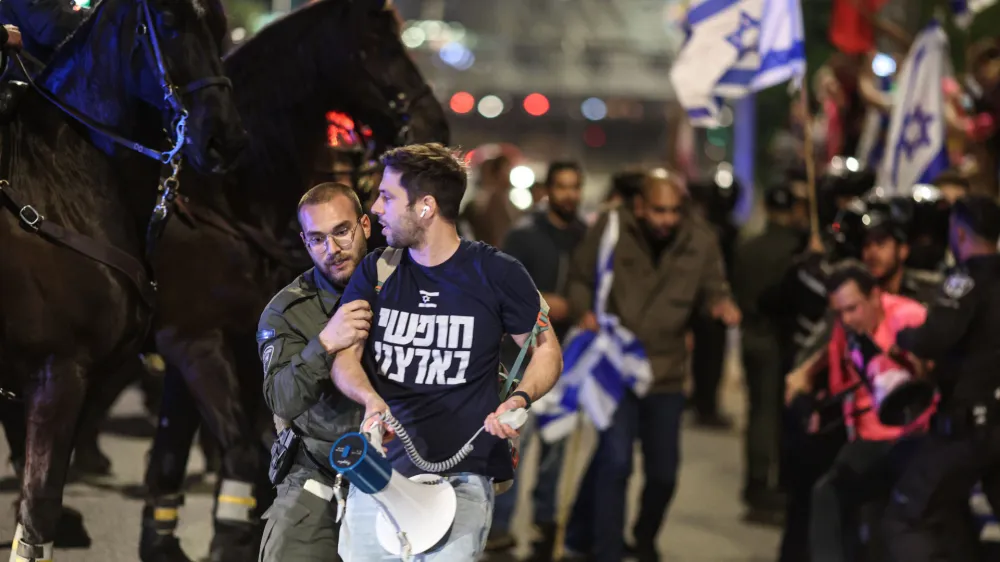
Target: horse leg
{"x":71,"y":532}
{"x":209,"y":369}
{"x":13,"y":417}
{"x":168,"y":458}
{"x":87,"y":457}
{"x":53,"y":405}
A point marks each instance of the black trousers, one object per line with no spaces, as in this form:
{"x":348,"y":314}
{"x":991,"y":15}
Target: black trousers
{"x":928,"y":518}
{"x":765,"y":389}
{"x":864,"y":472}
{"x":706,"y":363}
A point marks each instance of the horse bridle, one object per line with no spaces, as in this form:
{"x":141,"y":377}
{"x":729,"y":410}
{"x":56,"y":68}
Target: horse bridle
{"x":172,"y":94}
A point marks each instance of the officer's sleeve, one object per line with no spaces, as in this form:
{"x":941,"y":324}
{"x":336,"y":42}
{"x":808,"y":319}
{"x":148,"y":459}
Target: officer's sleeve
{"x":583,"y":270}
{"x":294,"y":367}
{"x":948,"y":319}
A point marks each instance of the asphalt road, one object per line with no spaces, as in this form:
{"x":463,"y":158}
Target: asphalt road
{"x":704,"y":524}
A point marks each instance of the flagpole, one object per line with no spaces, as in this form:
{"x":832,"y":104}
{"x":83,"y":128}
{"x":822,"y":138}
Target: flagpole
{"x":565,"y":493}
{"x":810,"y":157}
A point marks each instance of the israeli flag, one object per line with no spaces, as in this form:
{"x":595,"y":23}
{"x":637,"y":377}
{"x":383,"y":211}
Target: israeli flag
{"x":915,"y":146}
{"x":734,"y":48}
{"x":598,"y":367}
{"x":966,"y":10}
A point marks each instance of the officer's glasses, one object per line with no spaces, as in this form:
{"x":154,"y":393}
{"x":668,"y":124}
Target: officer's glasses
{"x":343,"y":237}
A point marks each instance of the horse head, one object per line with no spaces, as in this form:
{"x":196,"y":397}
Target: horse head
{"x":165,"y":53}
{"x":394,"y":99}
{"x":342,"y":55}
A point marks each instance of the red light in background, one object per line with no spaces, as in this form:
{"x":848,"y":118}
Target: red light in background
{"x":469,"y":156}
{"x":462,"y":102}
{"x":536,"y":104}
{"x":341,"y":120}
{"x":594,"y":136}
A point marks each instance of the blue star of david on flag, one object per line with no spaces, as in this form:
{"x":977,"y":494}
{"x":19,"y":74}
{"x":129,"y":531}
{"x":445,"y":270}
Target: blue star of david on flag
{"x":740,"y":39}
{"x":734,"y":48}
{"x":915,"y":151}
{"x":916,"y":135}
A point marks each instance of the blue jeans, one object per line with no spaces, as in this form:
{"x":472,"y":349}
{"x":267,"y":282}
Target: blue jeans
{"x":598,"y":517}
{"x":464,"y":542}
{"x":546,"y":486}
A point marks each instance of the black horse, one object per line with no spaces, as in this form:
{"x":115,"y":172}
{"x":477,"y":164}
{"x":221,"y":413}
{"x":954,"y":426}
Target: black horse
{"x":76,"y":296}
{"x":219,"y":266}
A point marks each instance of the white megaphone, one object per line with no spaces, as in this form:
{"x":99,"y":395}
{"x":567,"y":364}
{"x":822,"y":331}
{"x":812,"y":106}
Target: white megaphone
{"x":414,"y":515}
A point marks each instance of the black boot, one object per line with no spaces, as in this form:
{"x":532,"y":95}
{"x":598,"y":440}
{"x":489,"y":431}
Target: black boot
{"x":541,"y":549}
{"x":235,"y":542}
{"x":238,"y":531}
{"x":158,"y":542}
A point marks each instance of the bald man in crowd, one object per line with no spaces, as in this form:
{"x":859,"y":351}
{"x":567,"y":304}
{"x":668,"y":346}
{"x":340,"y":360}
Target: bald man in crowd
{"x":668,"y":268}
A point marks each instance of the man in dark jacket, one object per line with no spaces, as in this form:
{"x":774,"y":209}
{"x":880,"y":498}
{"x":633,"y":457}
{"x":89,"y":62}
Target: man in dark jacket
{"x":299,"y":332}
{"x":543,"y":242}
{"x":665,"y":264}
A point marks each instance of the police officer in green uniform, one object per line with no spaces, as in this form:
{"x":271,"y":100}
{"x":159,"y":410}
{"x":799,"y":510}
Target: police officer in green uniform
{"x":759,"y":266}
{"x":928,"y":517}
{"x":300,"y":331}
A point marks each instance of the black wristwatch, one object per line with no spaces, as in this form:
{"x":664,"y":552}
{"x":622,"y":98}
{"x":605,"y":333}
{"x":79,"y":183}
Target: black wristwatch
{"x":522,"y":394}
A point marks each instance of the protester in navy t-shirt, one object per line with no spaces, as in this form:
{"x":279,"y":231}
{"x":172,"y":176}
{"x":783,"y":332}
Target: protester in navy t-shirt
{"x":433,"y":352}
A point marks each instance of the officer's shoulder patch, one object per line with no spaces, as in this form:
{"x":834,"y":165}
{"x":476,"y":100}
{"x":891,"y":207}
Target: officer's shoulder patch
{"x":265,"y":357}
{"x":264,"y":335}
{"x":957,"y":285}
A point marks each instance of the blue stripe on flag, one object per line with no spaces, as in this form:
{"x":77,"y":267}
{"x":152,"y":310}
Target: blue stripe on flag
{"x":708,"y":9}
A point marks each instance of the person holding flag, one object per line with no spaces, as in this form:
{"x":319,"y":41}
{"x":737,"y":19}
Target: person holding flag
{"x":634,"y":332}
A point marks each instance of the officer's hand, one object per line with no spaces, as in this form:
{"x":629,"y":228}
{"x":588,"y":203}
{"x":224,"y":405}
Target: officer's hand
{"x":348,"y":326}
{"x":502,"y":430}
{"x":13,"y":37}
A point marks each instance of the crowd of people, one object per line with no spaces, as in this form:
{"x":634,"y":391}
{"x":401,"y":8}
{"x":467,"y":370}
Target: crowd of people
{"x":833,"y":321}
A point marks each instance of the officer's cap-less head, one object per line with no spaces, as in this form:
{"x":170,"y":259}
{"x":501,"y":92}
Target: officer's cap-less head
{"x":980,"y":215}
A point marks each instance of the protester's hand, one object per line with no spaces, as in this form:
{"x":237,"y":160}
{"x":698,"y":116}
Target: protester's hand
{"x":796,"y":383}
{"x":348,"y":326}
{"x":373,"y":407}
{"x":589,"y":322}
{"x":13,"y":38}
{"x":727,"y":311}
{"x":502,"y":430}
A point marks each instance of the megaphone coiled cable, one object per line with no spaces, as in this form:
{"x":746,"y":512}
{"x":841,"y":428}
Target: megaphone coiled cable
{"x":411,"y":450}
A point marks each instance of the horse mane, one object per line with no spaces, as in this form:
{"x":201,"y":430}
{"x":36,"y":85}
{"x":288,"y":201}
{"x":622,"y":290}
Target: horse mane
{"x":79,"y":31}
{"x":268,"y":66}
{"x":277,"y":72}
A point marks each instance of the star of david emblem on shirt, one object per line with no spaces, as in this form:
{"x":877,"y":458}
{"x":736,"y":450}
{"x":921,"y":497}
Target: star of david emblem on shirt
{"x":741,"y":38}
{"x":916,"y":132}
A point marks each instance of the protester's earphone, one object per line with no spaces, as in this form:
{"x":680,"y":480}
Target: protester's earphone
{"x":424,"y":211}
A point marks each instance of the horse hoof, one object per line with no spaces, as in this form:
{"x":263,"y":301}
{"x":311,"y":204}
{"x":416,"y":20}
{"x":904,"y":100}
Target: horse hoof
{"x":71,"y":533}
{"x":91,"y":462}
